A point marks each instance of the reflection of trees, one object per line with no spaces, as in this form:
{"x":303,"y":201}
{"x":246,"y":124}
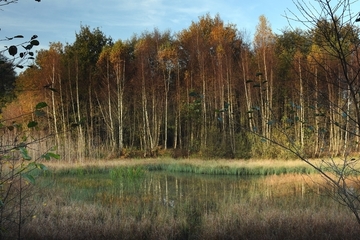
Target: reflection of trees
{"x":174,"y":191}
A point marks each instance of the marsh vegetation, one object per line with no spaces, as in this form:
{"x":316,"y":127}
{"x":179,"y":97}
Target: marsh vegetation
{"x":141,"y":200}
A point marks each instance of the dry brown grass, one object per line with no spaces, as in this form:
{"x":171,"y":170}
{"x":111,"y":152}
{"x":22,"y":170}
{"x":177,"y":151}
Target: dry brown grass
{"x":273,"y":223}
{"x":256,"y":220}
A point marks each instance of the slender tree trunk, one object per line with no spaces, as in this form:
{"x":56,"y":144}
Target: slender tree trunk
{"x":74,"y":115}
{"x":347,"y":125}
{"x":265,"y":103}
{"x":120,"y":92}
{"x":111,"y":121}
{"x":203,"y":112}
{"x":317,"y":135}
{"x":80,"y":148}
{"x":331,"y":117}
{"x":54,"y":106}
{"x":301,"y":100}
{"x":64,"y":119}
{"x":177,"y":130}
{"x":166,"y":84}
{"x":244,"y":64}
{"x":91,"y":129}
{"x":230,"y":111}
{"x":146,"y":124}
{"x":155,"y":123}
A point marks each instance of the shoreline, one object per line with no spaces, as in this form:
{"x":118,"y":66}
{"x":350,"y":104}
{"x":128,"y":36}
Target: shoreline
{"x":211,"y":167}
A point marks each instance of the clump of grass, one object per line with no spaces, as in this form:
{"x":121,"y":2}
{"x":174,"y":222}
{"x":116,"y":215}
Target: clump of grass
{"x":76,"y":171}
{"x":220,"y":169}
{"x":134,"y":172}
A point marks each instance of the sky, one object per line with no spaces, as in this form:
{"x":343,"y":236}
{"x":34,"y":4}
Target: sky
{"x":59,"y":20}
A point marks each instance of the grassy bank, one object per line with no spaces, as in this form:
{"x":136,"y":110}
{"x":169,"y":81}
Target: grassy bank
{"x":211,"y":167}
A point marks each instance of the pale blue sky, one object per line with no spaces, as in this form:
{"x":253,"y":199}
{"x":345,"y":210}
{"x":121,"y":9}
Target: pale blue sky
{"x":58,"y":20}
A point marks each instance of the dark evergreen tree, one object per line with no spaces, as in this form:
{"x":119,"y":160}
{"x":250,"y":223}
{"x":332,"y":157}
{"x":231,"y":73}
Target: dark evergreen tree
{"x":8,"y":77}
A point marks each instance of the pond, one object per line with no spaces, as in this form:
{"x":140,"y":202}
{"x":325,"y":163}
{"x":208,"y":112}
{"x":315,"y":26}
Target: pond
{"x":139,"y":204}
{"x":134,"y":188}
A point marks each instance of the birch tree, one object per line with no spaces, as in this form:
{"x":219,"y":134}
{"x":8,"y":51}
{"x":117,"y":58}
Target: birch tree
{"x":118,"y":56}
{"x":263,"y":44}
{"x":336,"y":35}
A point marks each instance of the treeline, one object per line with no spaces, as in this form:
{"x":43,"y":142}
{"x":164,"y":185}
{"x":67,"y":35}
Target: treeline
{"x":196,"y":92}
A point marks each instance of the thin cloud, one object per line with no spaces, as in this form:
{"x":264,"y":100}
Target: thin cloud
{"x":58,"y":20}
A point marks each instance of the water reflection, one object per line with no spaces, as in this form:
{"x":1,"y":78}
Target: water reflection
{"x":173,"y":190}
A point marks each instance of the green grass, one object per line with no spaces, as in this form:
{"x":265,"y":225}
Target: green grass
{"x":230,"y":170}
{"x":221,"y":167}
{"x":134,"y":172}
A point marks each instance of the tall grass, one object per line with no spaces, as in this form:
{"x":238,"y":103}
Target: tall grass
{"x":75,"y":221}
{"x":129,"y":173}
{"x":231,"y":170}
{"x":211,"y":167}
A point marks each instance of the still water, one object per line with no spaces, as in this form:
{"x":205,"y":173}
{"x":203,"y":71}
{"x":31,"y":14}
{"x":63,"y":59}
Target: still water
{"x":154,"y":204}
{"x":166,"y":190}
